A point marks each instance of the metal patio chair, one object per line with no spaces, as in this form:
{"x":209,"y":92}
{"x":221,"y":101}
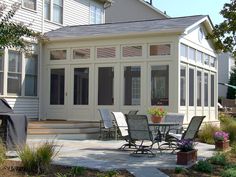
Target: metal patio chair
{"x":123,"y":128}
{"x":171,"y":139}
{"x":133,"y":112}
{"x":175,"y":118}
{"x":138,"y":129}
{"x":107,"y":127}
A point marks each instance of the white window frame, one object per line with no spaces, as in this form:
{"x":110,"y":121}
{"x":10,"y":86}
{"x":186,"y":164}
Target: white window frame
{"x":24,"y":7}
{"x":51,"y":12}
{"x":96,"y":8}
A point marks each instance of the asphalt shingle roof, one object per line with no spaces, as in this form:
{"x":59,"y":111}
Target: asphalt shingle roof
{"x":157,"y":25}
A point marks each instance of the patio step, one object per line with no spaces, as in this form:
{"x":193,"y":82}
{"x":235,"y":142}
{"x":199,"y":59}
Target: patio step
{"x":63,"y":129}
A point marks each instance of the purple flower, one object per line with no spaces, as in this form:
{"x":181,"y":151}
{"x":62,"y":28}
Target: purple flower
{"x":221,"y":136}
{"x":185,"y":145}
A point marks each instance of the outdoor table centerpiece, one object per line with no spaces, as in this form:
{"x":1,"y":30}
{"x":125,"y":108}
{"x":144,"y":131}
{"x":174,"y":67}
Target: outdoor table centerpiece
{"x":221,"y":140}
{"x":157,"y":114}
{"x":187,"y":154}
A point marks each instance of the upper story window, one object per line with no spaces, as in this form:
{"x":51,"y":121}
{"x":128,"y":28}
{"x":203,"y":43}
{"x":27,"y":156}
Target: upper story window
{"x":82,"y":53}
{"x":53,"y":10}
{"x":106,"y":52}
{"x":96,"y":14}
{"x":132,"y":51}
{"x":184,"y":51}
{"x":30,"y":4}
{"x":161,"y":49}
{"x":191,"y":54}
{"x":58,"y":55}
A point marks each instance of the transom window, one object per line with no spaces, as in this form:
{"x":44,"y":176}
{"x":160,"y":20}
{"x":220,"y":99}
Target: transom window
{"x":96,"y":14}
{"x":30,"y":4}
{"x":191,"y":54}
{"x":212,"y":62}
{"x":206,"y":59}
{"x":199,"y":56}
{"x":58,"y":55}
{"x":132,"y":51}
{"x":53,"y":10}
{"x":82,"y":53}
{"x":106,"y":52}
{"x":184,"y":51}
{"x":161,"y":49}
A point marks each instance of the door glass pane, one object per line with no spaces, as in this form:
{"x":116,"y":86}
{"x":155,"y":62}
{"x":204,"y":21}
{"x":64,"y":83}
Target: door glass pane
{"x":1,"y":61}
{"x":14,"y":64}
{"x":132,"y":85}
{"x":57,"y":87}
{"x":183,"y":86}
{"x":1,"y":83}
{"x":14,"y":83}
{"x":160,"y":85}
{"x":212,"y":90}
{"x":105,"y":86}
{"x":191,"y":87}
{"x":81,"y":86}
{"x":199,"y":88}
{"x":205,"y":89}
{"x":47,"y":9}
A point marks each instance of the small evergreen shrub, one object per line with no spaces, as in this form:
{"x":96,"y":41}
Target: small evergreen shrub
{"x":204,"y":166}
{"x":219,"y":159}
{"x":231,"y":172}
{"x":179,"y":170}
{"x":206,"y":134}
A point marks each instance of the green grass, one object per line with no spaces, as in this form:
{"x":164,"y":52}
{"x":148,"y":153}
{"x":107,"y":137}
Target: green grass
{"x":206,"y":134}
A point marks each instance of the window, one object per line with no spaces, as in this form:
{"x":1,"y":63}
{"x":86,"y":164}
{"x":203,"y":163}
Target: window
{"x":132,"y":51}
{"x":47,"y":9}
{"x":212,"y":90}
{"x":81,"y":53}
{"x":191,"y":87}
{"x":160,"y":85}
{"x":199,"y":56}
{"x":58,"y":55}
{"x":31,"y":4}
{"x":132,"y":85}
{"x":184,"y":51}
{"x":96,"y":14}
{"x":212,"y":62}
{"x":205,"y":89}
{"x":105,"y":86}
{"x":162,"y":49}
{"x":206,"y":59}
{"x":81,"y":86}
{"x":199,"y":88}
{"x":57,"y":86}
{"x":14,"y":73}
{"x":191,"y":54}
{"x":182,"y":86}
{"x":31,"y":75}
{"x":200,"y":34}
{"x":106,"y":52}
{"x":1,"y":72}
{"x":57,"y":11}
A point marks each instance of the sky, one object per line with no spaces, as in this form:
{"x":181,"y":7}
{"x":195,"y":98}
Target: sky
{"x":177,"y":8}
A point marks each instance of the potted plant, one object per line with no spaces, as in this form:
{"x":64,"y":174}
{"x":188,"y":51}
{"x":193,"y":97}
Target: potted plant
{"x":187,"y":154}
{"x":221,"y":140}
{"x":157,"y":114}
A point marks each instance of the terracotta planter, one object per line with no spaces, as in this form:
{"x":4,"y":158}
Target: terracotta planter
{"x":186,"y":158}
{"x":222,"y":145}
{"x":156,"y":119}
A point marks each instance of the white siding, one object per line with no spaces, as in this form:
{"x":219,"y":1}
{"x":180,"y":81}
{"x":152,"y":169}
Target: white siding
{"x":27,"y":106}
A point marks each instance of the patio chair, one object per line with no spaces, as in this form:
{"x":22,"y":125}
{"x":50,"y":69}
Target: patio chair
{"x":175,"y":118}
{"x":123,"y":127}
{"x":138,"y":129}
{"x":133,"y":112}
{"x":107,"y":128}
{"x":171,"y":139}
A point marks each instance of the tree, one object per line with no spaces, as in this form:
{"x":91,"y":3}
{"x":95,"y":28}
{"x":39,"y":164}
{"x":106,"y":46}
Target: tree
{"x":224,"y":33}
{"x":13,"y":34}
{"x":232,"y":81}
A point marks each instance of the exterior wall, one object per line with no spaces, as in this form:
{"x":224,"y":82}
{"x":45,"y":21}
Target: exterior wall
{"x":226,"y":63}
{"x":89,"y":112}
{"x":131,"y":10}
{"x":204,"y":46}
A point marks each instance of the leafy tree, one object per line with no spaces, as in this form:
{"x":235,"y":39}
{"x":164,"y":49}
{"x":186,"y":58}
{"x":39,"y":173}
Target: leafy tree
{"x":224,"y":33}
{"x":12,"y":34}
{"x":232,"y":81}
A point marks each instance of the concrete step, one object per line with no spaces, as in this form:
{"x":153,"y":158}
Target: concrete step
{"x":63,"y":131}
{"x":94,"y":136}
{"x":61,"y":125}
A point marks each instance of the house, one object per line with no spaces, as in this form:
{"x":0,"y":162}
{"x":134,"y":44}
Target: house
{"x":130,"y":65}
{"x":132,"y":10}
{"x":226,"y":62}
{"x":20,"y":72}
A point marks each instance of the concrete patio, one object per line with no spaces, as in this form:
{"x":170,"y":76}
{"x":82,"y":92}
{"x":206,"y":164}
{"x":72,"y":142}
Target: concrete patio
{"x":104,"y":155}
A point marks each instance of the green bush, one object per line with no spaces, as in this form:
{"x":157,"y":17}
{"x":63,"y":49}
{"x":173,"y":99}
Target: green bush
{"x":219,"y":159}
{"x":179,"y":170}
{"x":231,"y":172}
{"x":2,"y":153}
{"x":206,"y":134}
{"x":228,"y":124}
{"x":75,"y":171}
{"x":204,"y":166}
{"x":37,"y":159}
{"x":233,"y":149}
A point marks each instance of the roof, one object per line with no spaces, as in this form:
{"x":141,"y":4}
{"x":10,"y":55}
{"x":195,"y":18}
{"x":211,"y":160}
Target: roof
{"x":179,"y":24}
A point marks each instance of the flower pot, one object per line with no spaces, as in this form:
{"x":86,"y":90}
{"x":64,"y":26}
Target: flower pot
{"x":156,"y":119}
{"x":186,"y":158}
{"x":221,"y":145}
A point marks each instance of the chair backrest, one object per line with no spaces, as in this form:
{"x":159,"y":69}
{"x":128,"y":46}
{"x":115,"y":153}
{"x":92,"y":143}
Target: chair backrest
{"x":176,"y":118}
{"x":193,"y":127}
{"x":106,"y":118}
{"x":138,"y":127}
{"x":121,"y":123}
{"x":133,"y":112}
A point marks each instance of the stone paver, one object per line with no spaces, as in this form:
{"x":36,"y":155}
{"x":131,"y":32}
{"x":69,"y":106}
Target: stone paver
{"x":104,"y":155}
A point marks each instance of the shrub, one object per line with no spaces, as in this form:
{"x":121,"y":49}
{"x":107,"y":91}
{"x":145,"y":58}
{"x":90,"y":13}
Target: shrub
{"x":228,"y":124}
{"x":204,"y":166}
{"x":2,"y":153}
{"x":75,"y":171}
{"x":219,"y":159}
{"x":231,"y":172}
{"x":206,"y":135}
{"x":179,"y":170}
{"x":233,"y":149}
{"x":37,"y":159}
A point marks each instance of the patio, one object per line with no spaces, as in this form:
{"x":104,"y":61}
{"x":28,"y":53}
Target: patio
{"x":105,"y":155}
